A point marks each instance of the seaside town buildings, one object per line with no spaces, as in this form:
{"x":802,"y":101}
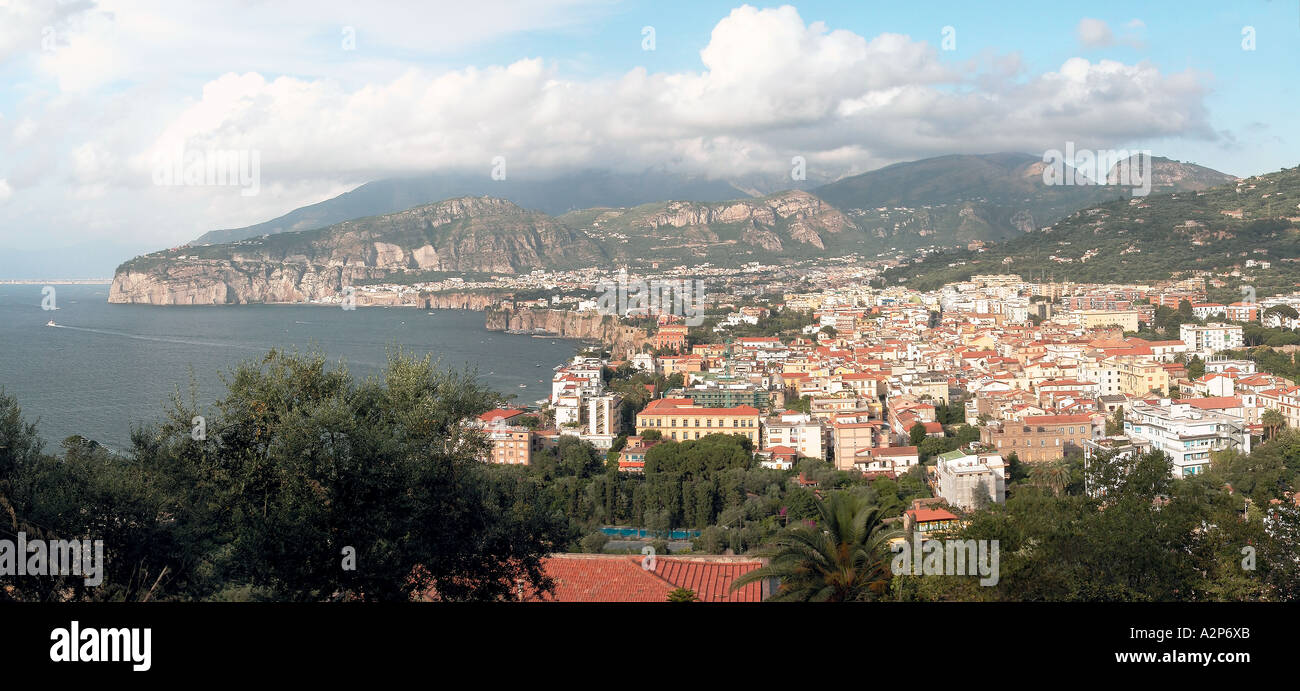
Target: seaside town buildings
{"x":1038,"y":369}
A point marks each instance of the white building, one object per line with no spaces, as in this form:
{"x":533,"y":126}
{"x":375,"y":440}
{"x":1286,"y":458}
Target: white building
{"x":603,"y":414}
{"x":968,"y":480}
{"x":1211,"y":338}
{"x":1205,"y":310}
{"x":1188,"y":434}
{"x":799,"y":431}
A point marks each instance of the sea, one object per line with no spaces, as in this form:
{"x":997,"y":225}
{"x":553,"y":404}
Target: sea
{"x":103,"y":368}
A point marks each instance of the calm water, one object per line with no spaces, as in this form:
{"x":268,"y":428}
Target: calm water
{"x":106,"y":367}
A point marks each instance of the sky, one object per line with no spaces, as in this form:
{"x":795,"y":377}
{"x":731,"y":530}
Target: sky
{"x":106,"y":105}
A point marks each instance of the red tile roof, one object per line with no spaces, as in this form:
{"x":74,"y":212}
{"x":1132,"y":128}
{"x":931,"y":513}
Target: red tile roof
{"x":501,"y":413}
{"x":926,"y":515}
{"x":621,"y":578}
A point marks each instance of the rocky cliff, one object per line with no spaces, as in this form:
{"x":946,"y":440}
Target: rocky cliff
{"x":461,"y":301}
{"x":587,"y":326}
{"x":457,"y":235}
{"x":777,"y":224}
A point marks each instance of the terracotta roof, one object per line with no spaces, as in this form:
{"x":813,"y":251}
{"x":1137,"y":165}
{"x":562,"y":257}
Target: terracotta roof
{"x":924,"y":515}
{"x":684,"y":406}
{"x":894,"y":451}
{"x":1213,"y":402}
{"x":501,"y":413}
{"x":1056,"y":419}
{"x":621,"y":578}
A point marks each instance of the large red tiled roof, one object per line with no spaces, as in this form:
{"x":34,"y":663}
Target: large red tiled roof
{"x":621,"y":578}
{"x":924,"y":515}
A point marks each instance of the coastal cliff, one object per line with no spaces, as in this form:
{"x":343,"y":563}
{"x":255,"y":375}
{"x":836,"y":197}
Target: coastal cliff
{"x":459,"y":235}
{"x":587,"y":326}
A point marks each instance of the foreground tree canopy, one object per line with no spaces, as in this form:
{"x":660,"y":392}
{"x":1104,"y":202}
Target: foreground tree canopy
{"x":304,"y":484}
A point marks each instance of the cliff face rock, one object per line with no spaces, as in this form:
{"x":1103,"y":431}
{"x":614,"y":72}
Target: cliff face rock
{"x":587,"y":326}
{"x":796,"y":214}
{"x":468,"y":234}
{"x":477,"y":302}
{"x":1172,"y":176}
{"x":209,"y":282}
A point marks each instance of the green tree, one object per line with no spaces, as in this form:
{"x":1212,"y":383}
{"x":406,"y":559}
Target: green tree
{"x":838,"y":559}
{"x":1115,"y":425}
{"x":1273,"y":421}
{"x":683,"y":595}
{"x":917,"y":434}
{"x":303,"y":467}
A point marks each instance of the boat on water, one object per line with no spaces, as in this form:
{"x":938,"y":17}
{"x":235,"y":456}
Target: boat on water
{"x":50,"y":323}
{"x":523,"y":386}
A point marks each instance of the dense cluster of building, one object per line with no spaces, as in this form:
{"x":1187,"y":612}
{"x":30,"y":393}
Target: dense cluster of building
{"x":1043,"y":370}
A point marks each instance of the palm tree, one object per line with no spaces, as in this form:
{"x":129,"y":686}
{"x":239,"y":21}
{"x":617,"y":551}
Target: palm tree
{"x":839,"y":559}
{"x":1273,"y":421}
{"x":1054,"y":476}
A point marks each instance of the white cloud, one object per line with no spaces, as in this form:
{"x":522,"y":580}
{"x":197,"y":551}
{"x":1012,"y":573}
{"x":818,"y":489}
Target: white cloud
{"x":1094,"y":32}
{"x":770,"y":86}
{"x":5,"y":190}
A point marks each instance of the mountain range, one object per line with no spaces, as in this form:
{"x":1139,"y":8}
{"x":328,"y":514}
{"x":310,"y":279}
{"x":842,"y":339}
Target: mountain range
{"x":1246,"y":232}
{"x":947,"y":201}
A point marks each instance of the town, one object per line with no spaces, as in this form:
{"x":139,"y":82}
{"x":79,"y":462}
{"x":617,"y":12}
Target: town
{"x":954,"y":387}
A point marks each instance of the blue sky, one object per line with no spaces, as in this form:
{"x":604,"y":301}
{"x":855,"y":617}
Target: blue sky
{"x":1249,"y":88}
{"x":94,"y":93}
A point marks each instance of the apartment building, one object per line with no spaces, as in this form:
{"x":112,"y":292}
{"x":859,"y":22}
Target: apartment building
{"x":893,"y":460}
{"x":719,"y":395}
{"x":1285,"y":400}
{"x":802,"y":432}
{"x":1242,"y":312}
{"x":632,"y":458}
{"x":1186,"y":433}
{"x":1210,"y":338}
{"x":1091,"y":319}
{"x":671,"y":337}
{"x":1037,"y":438}
{"x":604,"y":420}
{"x":851,"y":434}
{"x":1205,"y":310}
{"x":679,"y":419}
{"x":969,"y":480}
{"x":1141,"y":376}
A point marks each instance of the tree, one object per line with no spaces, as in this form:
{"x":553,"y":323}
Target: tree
{"x":839,"y":558}
{"x":917,"y":434}
{"x":1054,"y":476}
{"x":594,"y":542}
{"x":1115,"y":425}
{"x":1273,"y":421}
{"x":683,"y":595}
{"x":303,"y":468}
